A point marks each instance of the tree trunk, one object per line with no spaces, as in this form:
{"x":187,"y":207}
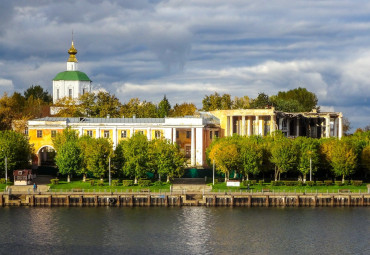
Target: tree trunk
{"x":84,"y":178}
{"x":247,"y":177}
{"x":276,"y":173}
{"x":159,"y":177}
{"x":135,"y":182}
{"x":279,"y":175}
{"x":68,"y":178}
{"x":343,"y":179}
{"x":168,"y":178}
{"x":304,"y":178}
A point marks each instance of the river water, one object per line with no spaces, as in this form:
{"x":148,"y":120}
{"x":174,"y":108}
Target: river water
{"x":186,"y":230}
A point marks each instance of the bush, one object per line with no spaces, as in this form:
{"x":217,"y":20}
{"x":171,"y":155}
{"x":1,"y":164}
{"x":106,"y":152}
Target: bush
{"x":216,"y":181}
{"x":54,"y":181}
{"x":115,"y":182}
{"x":127,"y":183}
{"x":101,"y":183}
{"x":158,"y":183}
{"x":92,"y":182}
{"x":346,"y":182}
{"x":356,"y":183}
{"x":310,"y":183}
{"x":276,"y":183}
{"x":328,"y":182}
{"x":260,"y":182}
{"x":319,"y":183}
{"x":2,"y":181}
{"x":292,"y":183}
{"x":144,"y":183}
{"x":339,"y":183}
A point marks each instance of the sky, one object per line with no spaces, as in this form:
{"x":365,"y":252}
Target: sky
{"x":186,"y":49}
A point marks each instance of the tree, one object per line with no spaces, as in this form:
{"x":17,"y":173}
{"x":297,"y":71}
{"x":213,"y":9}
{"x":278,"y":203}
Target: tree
{"x":295,"y":100}
{"x":68,"y":158}
{"x":184,"y":109}
{"x":98,"y":155}
{"x":261,"y":102}
{"x":66,"y":135}
{"x":283,"y":155}
{"x":69,"y":107}
{"x":107,"y":104}
{"x":16,"y":148}
{"x":164,"y":108}
{"x":365,"y":159}
{"x":251,"y":155}
{"x":165,"y":159}
{"x":86,"y":145}
{"x":346,"y":126}
{"x":224,"y":152}
{"x":308,"y":155}
{"x":37,"y":92}
{"x":135,"y":156}
{"x":217,"y":102}
{"x":139,"y":109}
{"x":241,"y":103}
{"x":343,"y":159}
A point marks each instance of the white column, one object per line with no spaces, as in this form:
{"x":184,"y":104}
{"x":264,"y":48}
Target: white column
{"x":192,"y":152}
{"x":98,"y":133}
{"x":168,"y":133}
{"x":81,"y":131}
{"x":173,"y":135}
{"x":336,"y":127}
{"x":243,"y":125}
{"x":114,"y":138}
{"x":231,"y":126}
{"x":257,"y":126}
{"x":132,"y":131}
{"x":249,"y":126}
{"x":297,"y":127}
{"x":227,"y":126}
{"x":288,"y":127}
{"x":199,"y":146}
{"x":149,"y":134}
{"x":340,"y":124}
{"x":327,"y":126}
{"x":280,"y":124}
{"x":261,"y":126}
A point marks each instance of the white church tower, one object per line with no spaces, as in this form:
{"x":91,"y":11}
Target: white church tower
{"x":71,"y":83}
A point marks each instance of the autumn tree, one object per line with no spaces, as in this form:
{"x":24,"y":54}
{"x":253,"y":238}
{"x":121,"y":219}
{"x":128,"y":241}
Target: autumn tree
{"x":139,"y":109}
{"x":283,"y":156}
{"x":217,"y":102}
{"x":107,"y":104}
{"x":251,"y":155}
{"x":184,"y":109}
{"x":343,"y":159}
{"x":241,"y":103}
{"x":100,"y":150}
{"x":68,"y":158}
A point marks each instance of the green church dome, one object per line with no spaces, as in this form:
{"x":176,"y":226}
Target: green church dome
{"x":71,"y":76}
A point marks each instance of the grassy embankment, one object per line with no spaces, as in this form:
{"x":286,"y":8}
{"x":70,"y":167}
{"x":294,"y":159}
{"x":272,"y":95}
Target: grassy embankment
{"x":290,"y":189}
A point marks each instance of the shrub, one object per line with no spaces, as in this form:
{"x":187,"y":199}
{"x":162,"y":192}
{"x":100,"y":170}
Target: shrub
{"x":101,"y":183}
{"x":276,"y":183}
{"x":2,"y":180}
{"x":292,"y":183}
{"x":319,"y":183}
{"x":328,"y":182}
{"x":310,"y":183}
{"x":54,"y":181}
{"x":92,"y":182}
{"x":127,"y":183}
{"x":115,"y":182}
{"x":339,"y":183}
{"x":356,"y":183}
{"x":253,"y":182}
{"x":346,"y":182}
{"x":158,"y":183}
{"x":260,"y":182}
{"x":216,"y":181}
{"x":144,"y":183}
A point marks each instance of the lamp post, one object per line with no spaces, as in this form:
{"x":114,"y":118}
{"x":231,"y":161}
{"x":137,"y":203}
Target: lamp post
{"x":110,"y":179}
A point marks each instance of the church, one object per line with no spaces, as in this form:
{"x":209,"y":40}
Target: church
{"x":193,"y":134}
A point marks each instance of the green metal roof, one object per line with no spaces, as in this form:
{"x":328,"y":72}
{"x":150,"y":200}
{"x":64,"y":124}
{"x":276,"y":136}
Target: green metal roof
{"x":71,"y":76}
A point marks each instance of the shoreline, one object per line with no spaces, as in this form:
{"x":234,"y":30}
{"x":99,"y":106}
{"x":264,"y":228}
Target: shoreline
{"x":191,"y":199}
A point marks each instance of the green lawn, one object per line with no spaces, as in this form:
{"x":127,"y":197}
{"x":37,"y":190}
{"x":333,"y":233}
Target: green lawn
{"x":3,"y":186}
{"x":86,"y":187}
{"x":291,"y":189}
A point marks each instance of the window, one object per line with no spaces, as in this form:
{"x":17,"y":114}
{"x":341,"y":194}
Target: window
{"x":39,"y":133}
{"x":210,"y":134}
{"x":216,"y":134}
{"x":84,"y":91}
{"x":89,"y":133}
{"x":26,"y":131}
{"x":53,"y":133}
{"x":70,"y":93}
{"x":188,"y":134}
{"x":106,"y":133}
{"x":57,"y":94}
{"x":187,"y":151}
{"x":157,"y":134}
{"x":177,"y":134}
{"x":123,"y":134}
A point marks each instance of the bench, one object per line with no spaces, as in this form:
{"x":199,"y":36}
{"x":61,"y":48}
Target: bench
{"x":344,"y":191}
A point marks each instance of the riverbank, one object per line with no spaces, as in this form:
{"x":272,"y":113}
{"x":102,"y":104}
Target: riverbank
{"x":147,"y":199}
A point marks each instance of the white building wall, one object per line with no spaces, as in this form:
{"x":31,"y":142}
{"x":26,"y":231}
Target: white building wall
{"x":199,"y":146}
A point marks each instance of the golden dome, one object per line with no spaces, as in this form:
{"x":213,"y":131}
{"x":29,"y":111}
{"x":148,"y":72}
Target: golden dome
{"x":72,"y":54}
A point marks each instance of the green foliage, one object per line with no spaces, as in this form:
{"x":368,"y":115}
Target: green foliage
{"x":308,"y":148}
{"x":164,"y":108}
{"x":292,"y":183}
{"x":319,"y":183}
{"x":54,"y":181}
{"x":101,"y":183}
{"x":115,"y":182}
{"x":92,"y":182}
{"x":139,"y":109}
{"x":158,"y":183}
{"x":97,"y":156}
{"x":68,"y":158}
{"x":328,"y":182}
{"x":2,"y":181}
{"x":37,"y":92}
{"x":277,"y":183}
{"x":261,"y":102}
{"x":127,"y":183}
{"x":295,"y":100}
{"x":184,"y":109}
{"x":310,"y":183}
{"x":16,"y":149}
{"x":283,"y":155}
{"x":338,"y":183}
{"x":216,"y":102}
{"x":251,"y":155}
{"x":344,"y":159}
{"x":260,"y":182}
{"x":144,"y":183}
